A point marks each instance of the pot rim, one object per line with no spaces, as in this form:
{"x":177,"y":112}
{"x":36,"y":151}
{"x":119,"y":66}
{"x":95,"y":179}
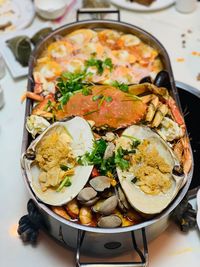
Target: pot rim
{"x":118,"y":230}
{"x":45,"y":208}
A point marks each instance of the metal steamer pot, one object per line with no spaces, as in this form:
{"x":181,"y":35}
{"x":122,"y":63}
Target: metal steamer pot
{"x":93,"y":240}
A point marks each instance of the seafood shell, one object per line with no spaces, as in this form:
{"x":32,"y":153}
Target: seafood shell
{"x":82,"y":142}
{"x":111,"y":221}
{"x":141,"y":201}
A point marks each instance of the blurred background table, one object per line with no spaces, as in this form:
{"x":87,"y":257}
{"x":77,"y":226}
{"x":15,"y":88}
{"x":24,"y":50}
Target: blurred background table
{"x":180,"y":34}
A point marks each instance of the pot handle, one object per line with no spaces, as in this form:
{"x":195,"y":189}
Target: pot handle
{"x":97,"y":11}
{"x":30,"y":224}
{"x":143,"y":255}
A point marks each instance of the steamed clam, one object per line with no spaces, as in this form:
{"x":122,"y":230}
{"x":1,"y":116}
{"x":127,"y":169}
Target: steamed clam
{"x":149,"y":182}
{"x":87,"y":196}
{"x":54,"y":173}
{"x":110,"y":221}
{"x":107,"y":206}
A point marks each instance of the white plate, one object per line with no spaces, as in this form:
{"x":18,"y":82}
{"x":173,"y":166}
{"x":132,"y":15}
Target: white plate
{"x":24,"y":13}
{"x":157,"y":5}
{"x":16,"y":69}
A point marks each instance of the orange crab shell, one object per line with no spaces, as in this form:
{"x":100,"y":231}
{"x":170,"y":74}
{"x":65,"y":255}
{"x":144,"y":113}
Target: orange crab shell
{"x":40,"y":108}
{"x":113,"y":108}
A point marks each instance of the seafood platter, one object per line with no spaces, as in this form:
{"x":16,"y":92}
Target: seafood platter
{"x":105,"y":146}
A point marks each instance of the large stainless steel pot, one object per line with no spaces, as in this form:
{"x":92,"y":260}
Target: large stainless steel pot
{"x":98,"y":240}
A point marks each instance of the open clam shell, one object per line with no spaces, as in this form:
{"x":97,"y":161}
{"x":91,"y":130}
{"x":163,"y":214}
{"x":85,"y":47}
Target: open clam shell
{"x":139,"y":199}
{"x":81,"y":142}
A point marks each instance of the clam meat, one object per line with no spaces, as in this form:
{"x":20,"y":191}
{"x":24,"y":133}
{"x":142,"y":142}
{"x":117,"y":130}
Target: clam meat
{"x":149,"y":182}
{"x":54,"y":173}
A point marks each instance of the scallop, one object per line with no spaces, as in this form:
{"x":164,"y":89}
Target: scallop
{"x":129,"y":40}
{"x":80,"y":140}
{"x":152,"y":157}
{"x":81,"y":37}
{"x":60,"y":49}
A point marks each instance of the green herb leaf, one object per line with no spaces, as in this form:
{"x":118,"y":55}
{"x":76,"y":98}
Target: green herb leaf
{"x":48,"y":105}
{"x":86,"y":91}
{"x":65,"y":182}
{"x":122,"y":86}
{"x":92,"y":62}
{"x":101,"y":101}
{"x":64,"y":167}
{"x":122,"y":163}
{"x":108,"y":99}
{"x":97,"y":97}
{"x":99,"y":64}
{"x":68,"y":183}
{"x":96,"y":158}
{"x":107,"y":63}
{"x":69,"y":83}
{"x":134,"y":180}
{"x":90,"y":112}
{"x":135,"y":141}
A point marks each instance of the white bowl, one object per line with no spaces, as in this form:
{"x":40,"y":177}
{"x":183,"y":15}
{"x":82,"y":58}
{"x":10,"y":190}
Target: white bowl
{"x":50,"y":9}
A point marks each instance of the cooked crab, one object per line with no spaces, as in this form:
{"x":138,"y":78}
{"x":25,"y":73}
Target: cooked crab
{"x":107,"y":106}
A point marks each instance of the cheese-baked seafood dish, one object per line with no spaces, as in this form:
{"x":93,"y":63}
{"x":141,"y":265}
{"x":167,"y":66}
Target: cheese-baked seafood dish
{"x":110,"y":146}
{"x":101,"y":56}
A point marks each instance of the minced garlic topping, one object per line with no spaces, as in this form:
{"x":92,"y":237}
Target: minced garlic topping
{"x":51,"y":152}
{"x":151,"y":170}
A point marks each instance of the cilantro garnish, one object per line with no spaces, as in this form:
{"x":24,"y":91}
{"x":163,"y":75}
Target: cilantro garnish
{"x":90,"y":112}
{"x":120,"y":162}
{"x":69,"y":83}
{"x":99,"y":64}
{"x":96,"y":158}
{"x":97,"y":97}
{"x":135,"y":141}
{"x":121,"y":86}
{"x":101,"y":99}
{"x":86,"y":91}
{"x":108,"y":99}
{"x":51,"y":107}
{"x":134,"y":180}
{"x":64,"y":167}
{"x":66,"y":182}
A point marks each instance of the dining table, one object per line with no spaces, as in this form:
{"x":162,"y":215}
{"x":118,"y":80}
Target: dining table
{"x":180,"y":35}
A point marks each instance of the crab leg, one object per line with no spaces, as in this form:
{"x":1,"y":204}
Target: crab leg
{"x":32,"y":96}
{"x":40,"y":108}
{"x":152,"y":109}
{"x":175,"y":111}
{"x":160,"y":114}
{"x":147,"y":98}
{"x":147,"y":87}
{"x":182,"y":151}
{"x":39,"y":80}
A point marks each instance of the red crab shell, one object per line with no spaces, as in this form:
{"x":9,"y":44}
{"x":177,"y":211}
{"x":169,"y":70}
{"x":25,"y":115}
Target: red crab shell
{"x":106,"y":106}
